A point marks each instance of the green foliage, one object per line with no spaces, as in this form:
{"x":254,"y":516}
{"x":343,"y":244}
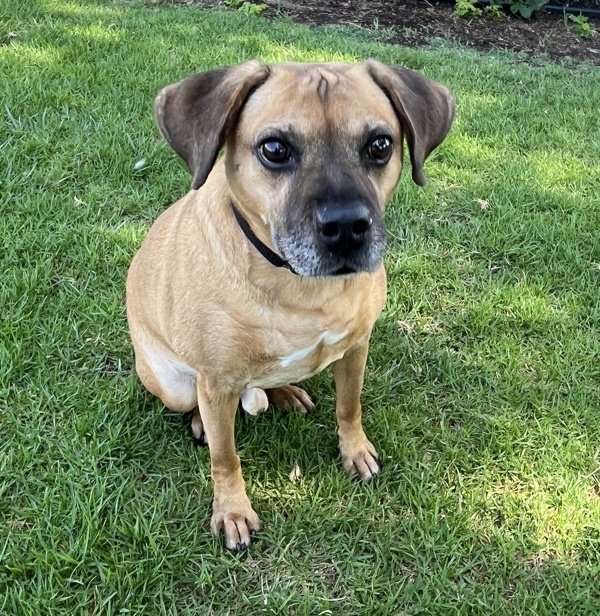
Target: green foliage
{"x":582,"y":26}
{"x":493,"y":10}
{"x":526,"y":8}
{"x":248,"y":8}
{"x":467,"y":8}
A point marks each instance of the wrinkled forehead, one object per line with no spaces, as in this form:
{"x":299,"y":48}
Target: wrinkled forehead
{"x":313,"y":98}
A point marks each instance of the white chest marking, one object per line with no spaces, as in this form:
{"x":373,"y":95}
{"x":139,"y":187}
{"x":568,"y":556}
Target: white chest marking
{"x":327,"y":338}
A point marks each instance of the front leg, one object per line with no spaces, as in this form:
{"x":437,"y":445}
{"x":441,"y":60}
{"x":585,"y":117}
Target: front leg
{"x":232,"y":512}
{"x":359,"y":457}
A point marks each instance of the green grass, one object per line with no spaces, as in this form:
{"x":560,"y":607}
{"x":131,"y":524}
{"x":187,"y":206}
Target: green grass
{"x":483,"y":385}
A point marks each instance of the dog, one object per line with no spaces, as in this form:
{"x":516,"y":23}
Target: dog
{"x":270,"y":268}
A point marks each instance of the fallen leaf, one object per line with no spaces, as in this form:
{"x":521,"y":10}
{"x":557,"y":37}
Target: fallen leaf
{"x":295,"y":474}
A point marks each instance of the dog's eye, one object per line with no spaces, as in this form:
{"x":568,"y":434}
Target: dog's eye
{"x":380,"y":149}
{"x":274,"y":153}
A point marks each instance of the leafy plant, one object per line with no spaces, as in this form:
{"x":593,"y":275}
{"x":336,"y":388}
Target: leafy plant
{"x":526,"y":8}
{"x":493,"y":12}
{"x":582,"y":26}
{"x":246,"y":7}
{"x":467,"y":8}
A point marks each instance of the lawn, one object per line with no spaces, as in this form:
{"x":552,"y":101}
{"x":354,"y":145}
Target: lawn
{"x":482,"y":391}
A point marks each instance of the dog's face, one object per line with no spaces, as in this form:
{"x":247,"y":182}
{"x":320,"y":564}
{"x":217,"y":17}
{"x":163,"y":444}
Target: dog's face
{"x":316,"y":153}
{"x":312,"y":151}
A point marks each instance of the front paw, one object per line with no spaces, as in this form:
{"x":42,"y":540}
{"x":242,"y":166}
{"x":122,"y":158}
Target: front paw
{"x":359,"y":458}
{"x":236,"y":521}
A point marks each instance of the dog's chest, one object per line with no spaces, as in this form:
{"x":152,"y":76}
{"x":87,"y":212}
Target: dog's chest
{"x":297,"y":356}
{"x":297,"y":338}
{"x":320,"y":344}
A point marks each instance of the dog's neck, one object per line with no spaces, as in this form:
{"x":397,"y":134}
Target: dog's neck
{"x":272,"y":257}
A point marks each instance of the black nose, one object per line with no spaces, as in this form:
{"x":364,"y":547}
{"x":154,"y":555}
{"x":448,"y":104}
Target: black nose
{"x":343,"y":227}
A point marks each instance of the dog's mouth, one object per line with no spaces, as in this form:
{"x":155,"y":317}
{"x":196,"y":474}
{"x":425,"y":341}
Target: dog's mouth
{"x":345,"y":270}
{"x":308,"y":258}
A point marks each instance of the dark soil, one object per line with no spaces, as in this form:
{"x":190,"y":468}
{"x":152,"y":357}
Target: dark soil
{"x":417,"y":22}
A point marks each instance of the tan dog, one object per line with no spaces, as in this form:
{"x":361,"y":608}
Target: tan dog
{"x":269,"y":269}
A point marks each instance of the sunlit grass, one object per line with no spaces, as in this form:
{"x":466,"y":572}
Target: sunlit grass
{"x":483,"y":384}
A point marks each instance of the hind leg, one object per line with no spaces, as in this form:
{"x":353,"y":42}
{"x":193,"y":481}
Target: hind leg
{"x":168,"y":379}
{"x":175,"y":387}
{"x":290,"y":396}
{"x":256,"y":400}
{"x":198,"y":428}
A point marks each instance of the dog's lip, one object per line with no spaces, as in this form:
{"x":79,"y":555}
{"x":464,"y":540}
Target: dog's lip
{"x":344,"y":271}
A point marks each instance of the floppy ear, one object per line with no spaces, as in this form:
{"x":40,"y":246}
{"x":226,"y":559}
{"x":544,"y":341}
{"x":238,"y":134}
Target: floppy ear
{"x":196,"y":114}
{"x":424,"y":107}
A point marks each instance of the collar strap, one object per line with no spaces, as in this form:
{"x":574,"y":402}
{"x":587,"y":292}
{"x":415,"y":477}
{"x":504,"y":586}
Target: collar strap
{"x":272,"y":257}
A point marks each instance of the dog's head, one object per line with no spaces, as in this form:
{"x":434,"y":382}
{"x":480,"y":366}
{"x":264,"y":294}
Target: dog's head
{"x":313,"y":151}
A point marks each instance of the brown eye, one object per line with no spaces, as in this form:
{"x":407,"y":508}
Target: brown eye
{"x":274,"y":153}
{"x":380,"y":149}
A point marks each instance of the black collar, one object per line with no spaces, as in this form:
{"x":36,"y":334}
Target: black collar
{"x":272,"y":257}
